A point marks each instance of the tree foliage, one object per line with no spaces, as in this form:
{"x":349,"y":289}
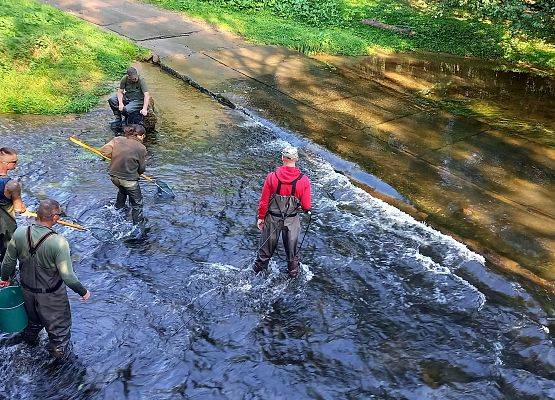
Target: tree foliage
{"x":535,"y":17}
{"x":532,"y":16}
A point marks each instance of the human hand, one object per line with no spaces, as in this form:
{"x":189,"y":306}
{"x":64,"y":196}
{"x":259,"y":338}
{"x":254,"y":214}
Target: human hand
{"x":86,"y":296}
{"x":3,"y":284}
{"x":144,"y":111}
{"x":260,"y":224}
{"x":120,"y":106}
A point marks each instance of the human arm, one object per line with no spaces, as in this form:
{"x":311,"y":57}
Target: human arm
{"x":146,"y":94}
{"x":142,"y":161}
{"x":264,"y":202}
{"x":13,"y":190}
{"x":144,"y":110}
{"x":119,"y":94}
{"x":9,"y":263}
{"x":306,"y":198}
{"x":107,"y":149}
{"x":65,"y":267}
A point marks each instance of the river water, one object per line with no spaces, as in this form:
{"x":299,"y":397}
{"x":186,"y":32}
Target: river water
{"x":385,"y":307}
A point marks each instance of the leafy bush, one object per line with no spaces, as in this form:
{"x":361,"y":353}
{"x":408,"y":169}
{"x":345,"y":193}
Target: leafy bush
{"x":534,"y":17}
{"x":313,"y":12}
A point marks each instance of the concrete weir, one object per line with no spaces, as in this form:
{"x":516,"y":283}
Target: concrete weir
{"x":490,"y":186}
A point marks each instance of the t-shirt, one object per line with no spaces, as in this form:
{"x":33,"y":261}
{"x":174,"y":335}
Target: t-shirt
{"x":53,"y":253}
{"x":133,"y":90}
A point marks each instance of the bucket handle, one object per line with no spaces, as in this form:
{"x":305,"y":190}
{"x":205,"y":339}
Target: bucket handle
{"x":11,"y":308}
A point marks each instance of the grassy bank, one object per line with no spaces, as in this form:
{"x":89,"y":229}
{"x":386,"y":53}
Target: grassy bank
{"x":51,"y":62}
{"x":334,"y":27}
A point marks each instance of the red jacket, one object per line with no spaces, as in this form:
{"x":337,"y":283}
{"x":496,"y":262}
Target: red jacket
{"x":286,"y":175}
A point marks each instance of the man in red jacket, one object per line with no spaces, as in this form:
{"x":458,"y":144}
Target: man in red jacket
{"x":285,"y":193}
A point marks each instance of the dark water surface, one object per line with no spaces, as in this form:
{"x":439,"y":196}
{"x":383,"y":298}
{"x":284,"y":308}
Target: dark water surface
{"x":385,"y":307}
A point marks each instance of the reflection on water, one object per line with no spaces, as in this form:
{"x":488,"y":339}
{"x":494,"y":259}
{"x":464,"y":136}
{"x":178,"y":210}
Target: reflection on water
{"x":467,"y":142}
{"x":385,"y":307}
{"x":510,"y":99}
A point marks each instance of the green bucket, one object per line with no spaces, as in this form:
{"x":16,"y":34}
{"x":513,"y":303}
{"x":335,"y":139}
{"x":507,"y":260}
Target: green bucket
{"x":13,"y":317}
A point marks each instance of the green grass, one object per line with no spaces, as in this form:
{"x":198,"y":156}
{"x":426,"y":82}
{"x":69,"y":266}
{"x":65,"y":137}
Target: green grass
{"x":333,"y":27}
{"x":53,"y":63}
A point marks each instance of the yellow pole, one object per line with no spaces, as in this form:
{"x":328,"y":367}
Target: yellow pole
{"x":61,"y":222}
{"x":89,"y":148}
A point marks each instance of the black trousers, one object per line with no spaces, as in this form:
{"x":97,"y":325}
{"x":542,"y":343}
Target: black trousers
{"x":52,"y":312}
{"x":132,"y":190}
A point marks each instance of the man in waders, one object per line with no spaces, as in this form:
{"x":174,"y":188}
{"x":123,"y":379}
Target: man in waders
{"x":132,"y":96}
{"x":128,"y":162}
{"x":44,"y":267}
{"x":10,"y":198}
{"x":285,"y":193}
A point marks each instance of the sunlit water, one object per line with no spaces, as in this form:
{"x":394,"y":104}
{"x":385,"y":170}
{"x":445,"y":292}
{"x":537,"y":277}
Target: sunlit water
{"x":384,"y":308}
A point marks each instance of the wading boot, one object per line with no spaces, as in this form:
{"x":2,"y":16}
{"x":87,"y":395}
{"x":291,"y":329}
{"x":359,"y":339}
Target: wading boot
{"x":60,"y":352}
{"x":259,"y":267}
{"x":31,"y":340}
{"x":293,"y":268}
{"x":57,"y":353}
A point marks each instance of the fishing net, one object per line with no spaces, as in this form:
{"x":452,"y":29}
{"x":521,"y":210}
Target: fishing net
{"x":101,"y":234}
{"x":164,"y":190}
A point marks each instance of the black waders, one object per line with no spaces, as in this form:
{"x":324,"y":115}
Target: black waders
{"x":132,"y":190}
{"x":282,"y":218}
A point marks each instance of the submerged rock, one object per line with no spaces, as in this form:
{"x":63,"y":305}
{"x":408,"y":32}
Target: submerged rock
{"x":523,"y":385}
{"x":529,"y":335}
{"x":445,"y":368}
{"x":431,"y":286}
{"x":480,"y":390}
{"x":497,"y":287}
{"x":540,"y":358}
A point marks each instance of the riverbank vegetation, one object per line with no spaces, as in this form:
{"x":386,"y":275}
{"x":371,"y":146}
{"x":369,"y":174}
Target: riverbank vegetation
{"x":513,"y":30}
{"x":52,"y":62}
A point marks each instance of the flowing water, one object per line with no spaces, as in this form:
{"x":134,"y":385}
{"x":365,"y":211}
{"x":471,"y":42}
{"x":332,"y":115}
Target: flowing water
{"x":385,"y":307}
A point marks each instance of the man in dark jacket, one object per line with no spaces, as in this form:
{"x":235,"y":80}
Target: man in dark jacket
{"x":285,"y":193}
{"x":44,"y":267}
{"x":10,"y":198}
{"x":128,"y":162}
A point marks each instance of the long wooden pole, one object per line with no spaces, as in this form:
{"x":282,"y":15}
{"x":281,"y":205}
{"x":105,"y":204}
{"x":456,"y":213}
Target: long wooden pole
{"x":97,"y":152}
{"x":61,"y":222}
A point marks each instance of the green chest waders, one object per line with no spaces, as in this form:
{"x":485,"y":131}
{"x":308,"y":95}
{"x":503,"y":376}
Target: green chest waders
{"x":45,"y":298}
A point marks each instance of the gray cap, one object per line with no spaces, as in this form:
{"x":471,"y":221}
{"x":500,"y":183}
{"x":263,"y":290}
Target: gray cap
{"x":290,"y":152}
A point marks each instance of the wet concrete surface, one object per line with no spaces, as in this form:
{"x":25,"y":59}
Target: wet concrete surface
{"x":488,"y":178}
